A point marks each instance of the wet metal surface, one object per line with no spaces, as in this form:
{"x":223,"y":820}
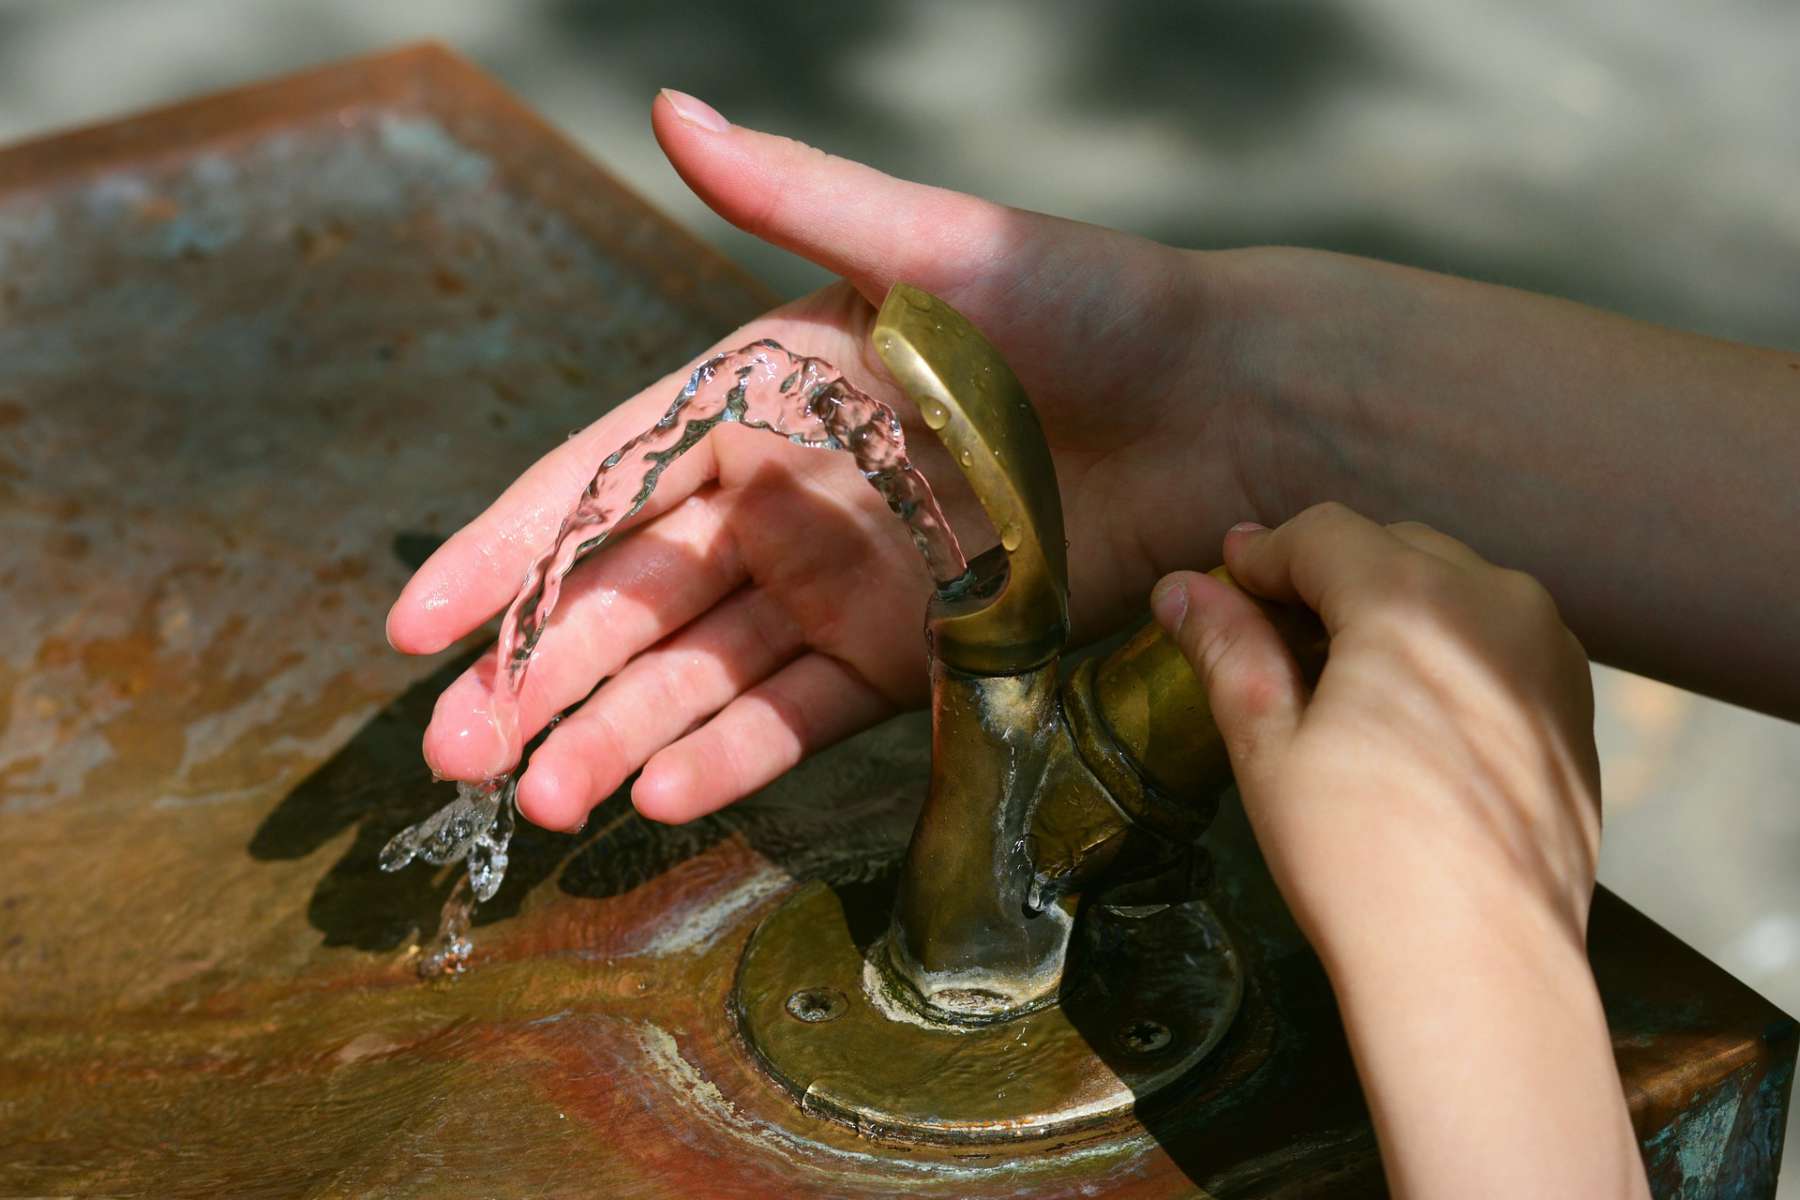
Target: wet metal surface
{"x":256,"y":356}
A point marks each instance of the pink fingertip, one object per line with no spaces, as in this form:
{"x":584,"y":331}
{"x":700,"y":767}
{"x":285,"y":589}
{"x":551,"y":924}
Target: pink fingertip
{"x":554,"y":794}
{"x":395,"y":628}
{"x":404,"y":623}
{"x":663,"y":792}
{"x":417,"y":620}
{"x":462,"y":741}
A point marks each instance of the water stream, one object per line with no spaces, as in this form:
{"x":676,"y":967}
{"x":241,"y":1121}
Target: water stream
{"x":760,"y":386}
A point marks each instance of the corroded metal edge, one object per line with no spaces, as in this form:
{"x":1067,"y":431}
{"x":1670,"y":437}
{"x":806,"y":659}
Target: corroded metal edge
{"x":428,"y":77}
{"x":1707,"y":1063}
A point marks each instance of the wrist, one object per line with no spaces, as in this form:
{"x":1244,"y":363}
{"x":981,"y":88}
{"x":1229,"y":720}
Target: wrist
{"x":1381,"y":885}
{"x":1400,"y":936}
{"x":1481,"y":1043}
{"x":1486,"y":1057}
{"x":1291,"y":329}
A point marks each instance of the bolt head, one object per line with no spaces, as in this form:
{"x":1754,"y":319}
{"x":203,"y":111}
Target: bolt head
{"x":1144,"y":1036}
{"x":816,"y":1005}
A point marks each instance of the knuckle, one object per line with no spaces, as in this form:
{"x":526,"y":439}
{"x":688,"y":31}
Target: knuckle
{"x":1529,"y":598}
{"x":1322,"y":515}
{"x":1522,"y":588}
{"x":813,"y":154}
{"x":1304,"y":536}
{"x":601,"y":739}
{"x":1417,"y":579}
{"x":1255,"y":693}
{"x":769,"y":631}
{"x":789,"y":713}
{"x":1427,"y":538}
{"x":657,"y":689}
{"x":1569,"y":662}
{"x":1215,"y":649}
{"x":1235,"y":676}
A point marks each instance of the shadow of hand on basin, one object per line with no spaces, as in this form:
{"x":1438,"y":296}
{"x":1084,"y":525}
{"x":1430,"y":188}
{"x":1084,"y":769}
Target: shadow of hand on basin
{"x":838,"y":816}
{"x":379,"y":783}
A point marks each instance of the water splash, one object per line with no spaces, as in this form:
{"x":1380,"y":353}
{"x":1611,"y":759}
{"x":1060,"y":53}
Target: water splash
{"x":476,"y":827}
{"x":449,"y":951}
{"x":760,"y":386}
{"x":799,"y":398}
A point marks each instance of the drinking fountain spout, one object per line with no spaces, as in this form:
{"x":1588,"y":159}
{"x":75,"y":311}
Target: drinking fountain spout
{"x":1051,"y":887}
{"x":1039,"y":789}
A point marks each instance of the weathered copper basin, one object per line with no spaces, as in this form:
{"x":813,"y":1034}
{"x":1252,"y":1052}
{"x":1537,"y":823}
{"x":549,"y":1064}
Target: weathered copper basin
{"x":256,"y":354}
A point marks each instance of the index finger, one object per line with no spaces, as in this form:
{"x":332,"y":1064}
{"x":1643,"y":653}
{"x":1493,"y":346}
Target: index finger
{"x":478,"y":570}
{"x":1326,"y":558}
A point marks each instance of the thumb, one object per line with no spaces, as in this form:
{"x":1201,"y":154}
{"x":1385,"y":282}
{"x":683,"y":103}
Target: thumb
{"x":850,"y":219}
{"x":1253,"y":684}
{"x":1008,"y":269}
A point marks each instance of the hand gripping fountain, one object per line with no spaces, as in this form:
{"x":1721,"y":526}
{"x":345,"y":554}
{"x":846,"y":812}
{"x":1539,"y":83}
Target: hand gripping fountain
{"x":1049,"y":961}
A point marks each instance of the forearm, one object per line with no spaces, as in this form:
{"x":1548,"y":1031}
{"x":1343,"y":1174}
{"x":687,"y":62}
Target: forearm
{"x":1429,"y":809}
{"x":1650,"y":478}
{"x":1483,"y":1053}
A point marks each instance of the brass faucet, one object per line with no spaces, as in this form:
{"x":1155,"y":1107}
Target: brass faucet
{"x":1051,"y":798}
{"x":1040,"y":788}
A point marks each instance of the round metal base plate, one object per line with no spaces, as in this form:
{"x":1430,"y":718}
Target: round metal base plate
{"x":1152,"y":993}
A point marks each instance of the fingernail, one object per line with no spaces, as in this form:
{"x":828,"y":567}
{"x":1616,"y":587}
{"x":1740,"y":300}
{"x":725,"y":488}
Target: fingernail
{"x":1168,"y":604}
{"x":697,"y":113}
{"x":1248,"y":527}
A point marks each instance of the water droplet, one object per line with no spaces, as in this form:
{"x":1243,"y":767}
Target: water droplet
{"x":1011,"y":536}
{"x":966,"y":458}
{"x":917,"y":299}
{"x":935,"y":414}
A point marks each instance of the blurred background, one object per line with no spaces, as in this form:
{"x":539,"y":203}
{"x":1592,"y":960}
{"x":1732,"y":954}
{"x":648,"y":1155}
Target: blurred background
{"x":1641,"y":155}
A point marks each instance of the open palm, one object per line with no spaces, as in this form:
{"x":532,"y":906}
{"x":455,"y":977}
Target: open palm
{"x":766,"y":603}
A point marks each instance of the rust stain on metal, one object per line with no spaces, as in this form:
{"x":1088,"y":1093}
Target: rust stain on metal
{"x":258,"y":351}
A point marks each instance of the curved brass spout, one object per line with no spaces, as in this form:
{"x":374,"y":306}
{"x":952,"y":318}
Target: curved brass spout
{"x":1016,"y":616}
{"x":1038,"y":790}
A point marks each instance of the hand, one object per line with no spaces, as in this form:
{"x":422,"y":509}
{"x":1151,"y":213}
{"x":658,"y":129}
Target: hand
{"x":767,"y":603}
{"x":1252,"y":381}
{"x":1431,"y":814}
{"x":1453,"y":723}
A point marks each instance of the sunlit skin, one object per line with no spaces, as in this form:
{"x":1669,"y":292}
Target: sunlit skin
{"x":783,"y":632}
{"x":1431,"y":814}
{"x":768,"y":605}
{"x":1627,"y":466}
